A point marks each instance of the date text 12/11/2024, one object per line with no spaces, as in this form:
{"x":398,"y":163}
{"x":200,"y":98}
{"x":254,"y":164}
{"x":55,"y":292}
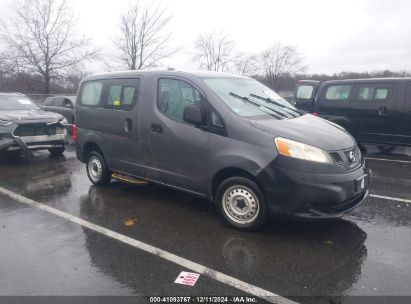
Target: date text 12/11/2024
{"x":204,"y":299}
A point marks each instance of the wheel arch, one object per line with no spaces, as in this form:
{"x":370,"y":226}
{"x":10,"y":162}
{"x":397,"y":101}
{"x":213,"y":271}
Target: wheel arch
{"x":228,"y":172}
{"x":91,"y":146}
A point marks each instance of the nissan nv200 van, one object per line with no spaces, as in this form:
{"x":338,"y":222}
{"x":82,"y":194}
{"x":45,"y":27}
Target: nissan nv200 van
{"x":224,"y":137}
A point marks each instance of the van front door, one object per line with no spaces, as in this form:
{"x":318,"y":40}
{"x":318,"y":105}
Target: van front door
{"x":372,"y":112}
{"x":179,"y":151}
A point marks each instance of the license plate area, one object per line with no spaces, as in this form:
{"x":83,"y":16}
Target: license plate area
{"x":361,"y":183}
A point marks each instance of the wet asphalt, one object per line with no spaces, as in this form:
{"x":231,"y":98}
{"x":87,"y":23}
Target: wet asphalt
{"x":367,"y":253}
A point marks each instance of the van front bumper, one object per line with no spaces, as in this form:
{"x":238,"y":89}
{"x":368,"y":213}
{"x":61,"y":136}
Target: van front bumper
{"x":316,"y":195}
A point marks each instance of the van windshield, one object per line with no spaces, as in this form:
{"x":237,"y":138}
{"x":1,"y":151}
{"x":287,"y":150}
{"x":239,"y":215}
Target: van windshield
{"x":262,"y":100}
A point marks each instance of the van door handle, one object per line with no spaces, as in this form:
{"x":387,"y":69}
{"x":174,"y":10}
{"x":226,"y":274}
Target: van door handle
{"x":156,"y":128}
{"x":128,"y":125}
{"x":382,"y":111}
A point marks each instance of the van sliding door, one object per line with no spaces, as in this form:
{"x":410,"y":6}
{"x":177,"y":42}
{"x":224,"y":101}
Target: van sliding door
{"x":372,"y":112}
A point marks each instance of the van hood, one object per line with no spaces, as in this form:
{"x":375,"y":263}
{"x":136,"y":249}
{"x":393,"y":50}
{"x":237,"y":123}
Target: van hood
{"x":28,"y":115}
{"x":310,"y":130}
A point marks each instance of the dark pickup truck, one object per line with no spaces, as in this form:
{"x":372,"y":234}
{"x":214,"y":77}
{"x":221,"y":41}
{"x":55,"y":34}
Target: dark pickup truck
{"x":376,"y":111}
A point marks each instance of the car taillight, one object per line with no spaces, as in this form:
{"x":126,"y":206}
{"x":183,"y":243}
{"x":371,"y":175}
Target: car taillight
{"x":315,"y":113}
{"x":74,"y":133}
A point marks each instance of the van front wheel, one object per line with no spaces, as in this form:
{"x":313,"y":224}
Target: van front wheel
{"x":97,"y":170}
{"x":241,"y":203}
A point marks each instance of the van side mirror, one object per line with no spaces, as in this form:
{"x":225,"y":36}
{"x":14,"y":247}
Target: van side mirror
{"x":192,"y":114}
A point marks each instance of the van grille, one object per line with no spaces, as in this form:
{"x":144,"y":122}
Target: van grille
{"x":349,"y":158}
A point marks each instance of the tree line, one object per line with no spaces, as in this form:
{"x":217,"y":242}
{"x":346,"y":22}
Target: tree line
{"x":43,"y":52}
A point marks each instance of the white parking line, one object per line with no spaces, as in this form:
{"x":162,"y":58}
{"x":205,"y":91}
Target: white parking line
{"x":213,"y":274}
{"x":396,"y":199}
{"x":389,"y":160}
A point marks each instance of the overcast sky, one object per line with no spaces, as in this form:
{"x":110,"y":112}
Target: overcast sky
{"x":333,"y":36}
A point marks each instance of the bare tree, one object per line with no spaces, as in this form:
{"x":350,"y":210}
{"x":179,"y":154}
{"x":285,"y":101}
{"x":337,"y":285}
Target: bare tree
{"x":214,"y":51}
{"x":281,"y":61}
{"x":41,"y":38}
{"x":71,"y":81}
{"x":143,"y":39}
{"x":245,"y":64}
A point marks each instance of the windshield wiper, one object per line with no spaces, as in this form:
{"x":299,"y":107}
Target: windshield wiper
{"x":269,"y":100}
{"x":257,"y":104}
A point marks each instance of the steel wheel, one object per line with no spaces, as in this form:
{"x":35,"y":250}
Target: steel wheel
{"x":241,"y":204}
{"x":95,"y":169}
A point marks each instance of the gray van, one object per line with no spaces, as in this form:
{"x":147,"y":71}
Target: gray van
{"x":223,"y":137}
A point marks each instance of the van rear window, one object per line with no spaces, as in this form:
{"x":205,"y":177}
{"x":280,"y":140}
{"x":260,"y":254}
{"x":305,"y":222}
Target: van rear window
{"x":338,"y":92}
{"x":90,"y":94}
{"x":305,"y":91}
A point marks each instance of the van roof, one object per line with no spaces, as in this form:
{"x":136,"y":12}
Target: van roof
{"x":367,"y":80}
{"x":165,"y":72}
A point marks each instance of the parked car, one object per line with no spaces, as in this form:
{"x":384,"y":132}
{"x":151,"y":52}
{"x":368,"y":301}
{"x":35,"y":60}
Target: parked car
{"x":25,"y":127}
{"x":63,"y":105}
{"x":223,"y":137}
{"x":376,"y":111}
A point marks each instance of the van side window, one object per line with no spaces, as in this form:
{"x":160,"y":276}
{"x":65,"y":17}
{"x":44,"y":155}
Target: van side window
{"x":91,"y":92}
{"x":174,"y":95}
{"x":121,"y":94}
{"x":338,"y":92}
{"x":305,"y":92}
{"x":372,"y":93}
{"x":216,"y":120}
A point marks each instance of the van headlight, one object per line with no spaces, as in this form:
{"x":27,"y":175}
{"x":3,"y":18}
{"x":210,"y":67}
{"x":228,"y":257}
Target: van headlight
{"x":295,"y":149}
{"x":63,"y":121}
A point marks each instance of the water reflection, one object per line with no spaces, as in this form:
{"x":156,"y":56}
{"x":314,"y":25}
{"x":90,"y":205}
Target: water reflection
{"x":43,"y":177}
{"x":384,"y":150}
{"x":288,"y":257}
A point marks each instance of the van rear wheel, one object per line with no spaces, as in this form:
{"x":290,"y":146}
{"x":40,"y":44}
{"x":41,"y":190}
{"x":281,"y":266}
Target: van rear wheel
{"x":241,"y":203}
{"x":97,"y":170}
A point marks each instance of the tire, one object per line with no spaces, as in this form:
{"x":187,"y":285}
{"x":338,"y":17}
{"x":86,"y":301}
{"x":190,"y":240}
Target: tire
{"x":97,"y":170}
{"x":57,"y":151}
{"x":241,"y":203}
